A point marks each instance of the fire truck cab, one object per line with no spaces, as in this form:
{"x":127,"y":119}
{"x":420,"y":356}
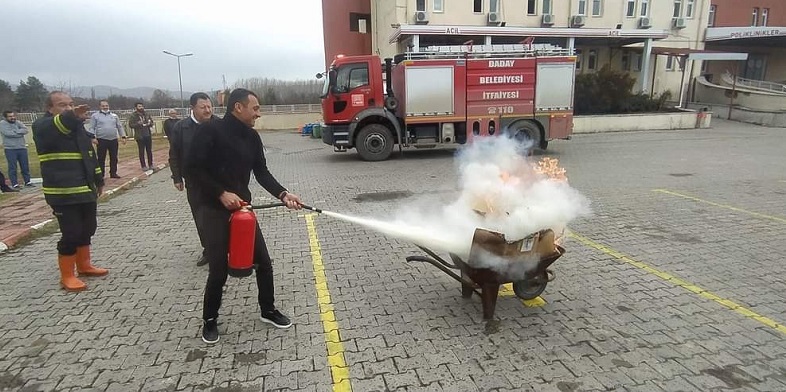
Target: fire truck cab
{"x":444,"y":96}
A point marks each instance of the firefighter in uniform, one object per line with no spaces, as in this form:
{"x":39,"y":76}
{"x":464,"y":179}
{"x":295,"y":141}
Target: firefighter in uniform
{"x":72,"y":183}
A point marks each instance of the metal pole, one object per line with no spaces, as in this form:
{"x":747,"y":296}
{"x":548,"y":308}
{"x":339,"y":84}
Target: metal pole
{"x":180,"y":78}
{"x":733,"y":89}
{"x":682,"y":80}
{"x":179,"y":73}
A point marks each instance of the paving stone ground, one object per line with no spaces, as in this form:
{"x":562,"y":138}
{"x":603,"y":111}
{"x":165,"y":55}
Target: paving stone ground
{"x":607,"y":324}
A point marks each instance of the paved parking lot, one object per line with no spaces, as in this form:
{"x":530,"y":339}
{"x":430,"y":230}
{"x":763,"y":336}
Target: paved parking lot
{"x":675,"y":283}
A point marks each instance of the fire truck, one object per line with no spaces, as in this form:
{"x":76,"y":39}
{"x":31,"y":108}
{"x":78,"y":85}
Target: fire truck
{"x":444,"y":96}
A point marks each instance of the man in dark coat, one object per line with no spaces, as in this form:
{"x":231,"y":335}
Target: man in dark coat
{"x":223,"y":154}
{"x":179,"y":145}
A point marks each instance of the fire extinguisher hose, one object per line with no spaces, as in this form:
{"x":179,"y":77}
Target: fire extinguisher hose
{"x":273,"y":205}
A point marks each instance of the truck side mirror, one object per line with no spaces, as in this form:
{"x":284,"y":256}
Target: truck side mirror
{"x":320,"y":75}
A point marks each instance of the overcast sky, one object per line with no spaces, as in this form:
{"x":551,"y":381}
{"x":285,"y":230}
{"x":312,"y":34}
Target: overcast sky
{"x":120,"y":42}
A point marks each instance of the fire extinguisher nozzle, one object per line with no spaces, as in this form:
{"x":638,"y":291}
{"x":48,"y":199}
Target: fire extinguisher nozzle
{"x":317,"y":210}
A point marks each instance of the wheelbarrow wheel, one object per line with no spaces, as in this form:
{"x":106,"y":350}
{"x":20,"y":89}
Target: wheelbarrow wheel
{"x":531,"y":288}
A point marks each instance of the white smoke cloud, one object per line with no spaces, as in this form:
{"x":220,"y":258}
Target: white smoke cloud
{"x":501,"y":191}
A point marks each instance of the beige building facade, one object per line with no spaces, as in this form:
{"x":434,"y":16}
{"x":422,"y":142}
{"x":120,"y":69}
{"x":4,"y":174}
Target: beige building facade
{"x":621,"y":33}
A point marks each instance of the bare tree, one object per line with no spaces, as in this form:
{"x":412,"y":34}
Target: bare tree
{"x":283,"y":92}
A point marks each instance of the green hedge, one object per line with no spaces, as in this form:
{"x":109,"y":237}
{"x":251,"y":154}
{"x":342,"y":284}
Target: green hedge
{"x":610,"y":92}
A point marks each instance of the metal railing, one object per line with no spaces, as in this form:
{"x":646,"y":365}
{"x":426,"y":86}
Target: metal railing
{"x":760,"y":84}
{"x":183,"y":112}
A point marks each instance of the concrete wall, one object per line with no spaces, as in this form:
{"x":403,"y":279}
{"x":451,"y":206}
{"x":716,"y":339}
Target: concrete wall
{"x":732,"y":13}
{"x":641,"y":122}
{"x":765,"y":118}
{"x":339,"y":39}
{"x":286,"y":121}
{"x":755,"y":100}
{"x":581,"y":124}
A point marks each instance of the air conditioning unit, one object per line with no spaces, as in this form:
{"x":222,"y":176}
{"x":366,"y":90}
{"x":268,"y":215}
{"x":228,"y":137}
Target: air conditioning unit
{"x":548,"y":20}
{"x":679,"y":23}
{"x":421,"y":17}
{"x":494,"y":18}
{"x":578,"y":20}
{"x":645,"y":23}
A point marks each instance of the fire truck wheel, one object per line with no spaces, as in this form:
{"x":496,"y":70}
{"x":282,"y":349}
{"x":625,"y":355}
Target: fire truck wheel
{"x":374,"y":142}
{"x":526,"y":131}
{"x":531,"y":288}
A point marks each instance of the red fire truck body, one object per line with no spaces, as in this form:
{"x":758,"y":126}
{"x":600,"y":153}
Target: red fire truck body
{"x":445,"y":96}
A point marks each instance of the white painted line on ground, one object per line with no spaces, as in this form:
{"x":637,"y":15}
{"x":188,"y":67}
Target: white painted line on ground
{"x":40,"y":225}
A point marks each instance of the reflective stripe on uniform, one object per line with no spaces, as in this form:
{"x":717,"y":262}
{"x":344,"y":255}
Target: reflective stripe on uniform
{"x":55,"y":156}
{"x":60,"y":127}
{"x":66,"y":190}
{"x":98,"y":170}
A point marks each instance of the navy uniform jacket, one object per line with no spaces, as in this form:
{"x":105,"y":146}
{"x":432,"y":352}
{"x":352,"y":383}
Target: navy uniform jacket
{"x":68,"y":161}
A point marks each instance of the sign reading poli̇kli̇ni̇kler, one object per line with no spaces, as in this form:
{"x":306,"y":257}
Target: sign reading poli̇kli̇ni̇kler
{"x":721,"y":33}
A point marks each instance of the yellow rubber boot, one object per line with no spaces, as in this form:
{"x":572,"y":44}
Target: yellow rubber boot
{"x":83,"y":265}
{"x":68,"y":280}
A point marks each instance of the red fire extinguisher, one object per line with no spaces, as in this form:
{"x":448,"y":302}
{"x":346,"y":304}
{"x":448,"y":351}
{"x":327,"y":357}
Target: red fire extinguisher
{"x":242,"y":235}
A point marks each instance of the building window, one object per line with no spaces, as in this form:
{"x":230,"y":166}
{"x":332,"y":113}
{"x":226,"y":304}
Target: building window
{"x":592,"y":61}
{"x":597,"y":7}
{"x":582,"y":7}
{"x":477,"y":6}
{"x":765,"y":12}
{"x":578,"y":59}
{"x":546,"y":7}
{"x":645,"y":8}
{"x":359,"y":22}
{"x":689,"y":5}
{"x":532,"y":7}
{"x":670,"y":63}
{"x":630,"y":8}
{"x":493,"y":5}
{"x":677,"y":9}
{"x":711,"y":18}
{"x":755,"y":17}
{"x":420,"y":5}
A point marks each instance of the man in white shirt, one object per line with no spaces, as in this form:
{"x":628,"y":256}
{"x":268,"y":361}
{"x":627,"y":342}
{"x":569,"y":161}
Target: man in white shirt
{"x":107,"y":129}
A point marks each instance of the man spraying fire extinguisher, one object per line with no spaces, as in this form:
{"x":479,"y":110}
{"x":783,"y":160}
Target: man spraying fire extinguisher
{"x":223,"y":154}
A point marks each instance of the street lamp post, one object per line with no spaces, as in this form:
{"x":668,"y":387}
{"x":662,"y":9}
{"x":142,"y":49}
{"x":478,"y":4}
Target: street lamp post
{"x":179,"y":76}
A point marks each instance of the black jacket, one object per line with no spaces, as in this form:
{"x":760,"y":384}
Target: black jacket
{"x":169,"y":125}
{"x":222,"y":156}
{"x":69,"y":166}
{"x":179,"y":145}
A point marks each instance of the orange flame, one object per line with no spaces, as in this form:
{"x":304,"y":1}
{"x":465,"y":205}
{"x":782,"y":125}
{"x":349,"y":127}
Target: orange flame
{"x":550,"y":168}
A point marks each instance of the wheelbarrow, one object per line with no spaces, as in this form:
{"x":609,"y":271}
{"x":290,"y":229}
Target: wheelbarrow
{"x":524,"y":263}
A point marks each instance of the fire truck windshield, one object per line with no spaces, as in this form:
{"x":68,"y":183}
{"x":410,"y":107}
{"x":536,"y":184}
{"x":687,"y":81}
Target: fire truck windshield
{"x":326,"y":87}
{"x":350,"y":76}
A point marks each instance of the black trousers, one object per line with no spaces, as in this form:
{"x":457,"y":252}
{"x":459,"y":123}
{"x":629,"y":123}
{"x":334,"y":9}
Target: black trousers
{"x":190,"y":196}
{"x":78,"y":224}
{"x":145,"y":144}
{"x":215,"y":225}
{"x":105,"y":146}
